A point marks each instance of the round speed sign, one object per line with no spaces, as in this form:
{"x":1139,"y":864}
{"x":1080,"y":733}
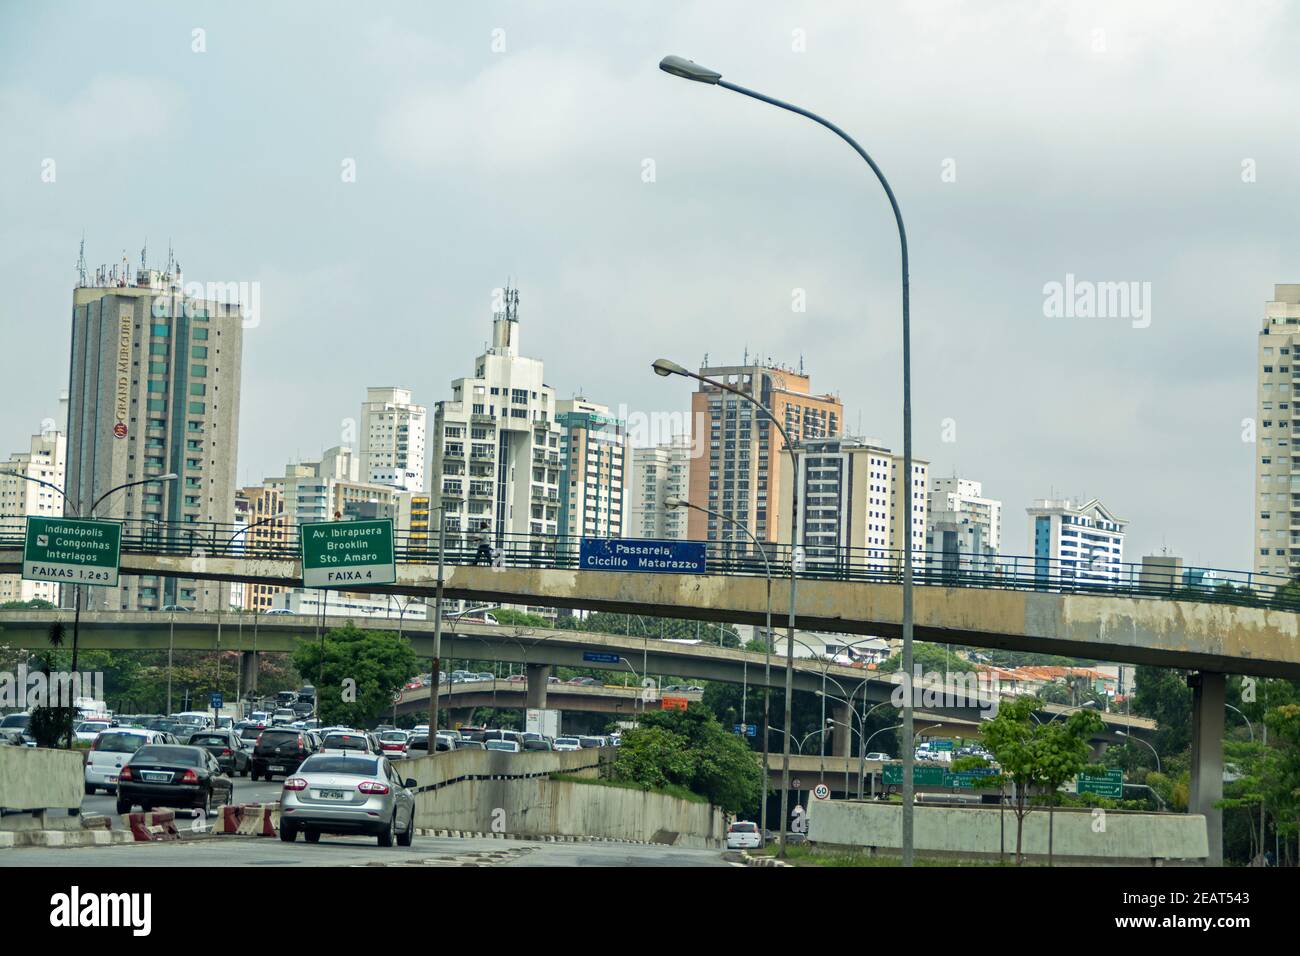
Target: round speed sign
{"x":822,"y":792}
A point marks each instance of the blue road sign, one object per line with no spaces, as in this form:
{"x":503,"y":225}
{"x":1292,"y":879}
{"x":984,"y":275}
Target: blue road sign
{"x":749,"y":730}
{"x":641,"y":554}
{"x":596,"y":657}
{"x":216,"y":702}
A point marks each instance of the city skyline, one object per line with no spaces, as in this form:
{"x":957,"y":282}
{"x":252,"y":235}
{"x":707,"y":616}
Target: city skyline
{"x":440,"y":122}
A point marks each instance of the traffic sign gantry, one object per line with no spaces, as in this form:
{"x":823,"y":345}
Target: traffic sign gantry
{"x":72,"y":551}
{"x":344,"y":554}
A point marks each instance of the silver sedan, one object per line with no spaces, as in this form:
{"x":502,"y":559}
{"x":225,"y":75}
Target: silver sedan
{"x":348,"y":793}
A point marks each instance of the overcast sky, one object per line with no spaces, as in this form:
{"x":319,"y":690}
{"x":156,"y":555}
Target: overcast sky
{"x":641,"y":215}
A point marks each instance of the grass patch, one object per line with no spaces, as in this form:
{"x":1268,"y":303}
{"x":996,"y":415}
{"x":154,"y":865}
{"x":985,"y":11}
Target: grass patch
{"x":671,"y":790}
{"x":803,"y":854}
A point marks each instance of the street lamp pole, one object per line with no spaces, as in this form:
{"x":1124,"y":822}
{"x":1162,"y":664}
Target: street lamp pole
{"x":679,"y":66}
{"x":664,"y":367}
{"x":767,"y":646}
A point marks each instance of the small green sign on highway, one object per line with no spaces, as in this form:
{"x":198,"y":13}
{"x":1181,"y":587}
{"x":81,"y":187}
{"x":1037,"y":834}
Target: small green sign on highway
{"x":1110,"y":784}
{"x":72,"y":551}
{"x":347,"y":554}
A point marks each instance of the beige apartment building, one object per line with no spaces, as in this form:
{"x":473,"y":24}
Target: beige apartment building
{"x":1277,"y":467}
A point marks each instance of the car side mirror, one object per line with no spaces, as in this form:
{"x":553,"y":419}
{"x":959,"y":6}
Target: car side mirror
{"x":410,"y":783}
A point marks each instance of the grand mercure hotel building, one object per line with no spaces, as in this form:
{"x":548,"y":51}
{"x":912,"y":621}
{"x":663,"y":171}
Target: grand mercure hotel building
{"x":153,"y":389}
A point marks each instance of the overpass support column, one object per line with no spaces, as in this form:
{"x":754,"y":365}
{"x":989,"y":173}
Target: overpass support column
{"x":247,"y":672}
{"x":538,"y":678}
{"x":842,"y":731}
{"x":1207,"y":757}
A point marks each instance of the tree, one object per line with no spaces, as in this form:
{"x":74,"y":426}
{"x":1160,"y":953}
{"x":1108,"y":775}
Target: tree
{"x":931,"y":658}
{"x":722,"y":767}
{"x":652,"y":757}
{"x":362,"y":671}
{"x":1164,"y":695}
{"x":1037,"y":756}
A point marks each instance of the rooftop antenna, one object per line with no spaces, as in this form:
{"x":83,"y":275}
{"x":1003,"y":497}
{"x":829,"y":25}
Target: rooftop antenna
{"x":144,"y":254}
{"x":81,"y":262}
{"x":170,"y":257}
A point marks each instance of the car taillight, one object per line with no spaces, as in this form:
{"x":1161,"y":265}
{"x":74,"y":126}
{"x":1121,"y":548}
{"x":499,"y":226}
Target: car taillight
{"x":125,"y":774}
{"x":295,"y":783}
{"x":225,"y":752}
{"x":189,"y":777}
{"x":300,"y":741}
{"x":372,"y":786}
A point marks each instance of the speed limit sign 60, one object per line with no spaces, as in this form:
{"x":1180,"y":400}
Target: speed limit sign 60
{"x":822,"y":792}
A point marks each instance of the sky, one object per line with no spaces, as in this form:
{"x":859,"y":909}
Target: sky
{"x":380,"y":169}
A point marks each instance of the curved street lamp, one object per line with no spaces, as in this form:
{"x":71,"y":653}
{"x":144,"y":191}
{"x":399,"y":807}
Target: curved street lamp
{"x":689,"y":70}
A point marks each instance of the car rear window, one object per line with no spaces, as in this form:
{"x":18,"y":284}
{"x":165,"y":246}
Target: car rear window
{"x":336,"y":763}
{"x":184,"y":756}
{"x":16,"y":720}
{"x":347,"y":742}
{"x":274,"y":738}
{"x":393,"y":736}
{"x":119,"y":743}
{"x":206,"y":740}
{"x":744,"y":828}
{"x":589,"y":742}
{"x":250,"y":733}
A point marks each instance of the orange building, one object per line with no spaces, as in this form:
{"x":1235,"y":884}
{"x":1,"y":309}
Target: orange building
{"x":738,"y":473}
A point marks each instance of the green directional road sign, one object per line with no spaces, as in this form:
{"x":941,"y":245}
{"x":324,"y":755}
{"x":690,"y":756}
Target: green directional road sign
{"x":347,"y":554}
{"x":921,"y":776}
{"x":1109,"y":784}
{"x":72,"y":551}
{"x":941,"y":743}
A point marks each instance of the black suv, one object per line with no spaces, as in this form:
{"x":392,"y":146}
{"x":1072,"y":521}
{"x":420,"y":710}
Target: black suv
{"x":227,"y":747}
{"x":280,"y":750}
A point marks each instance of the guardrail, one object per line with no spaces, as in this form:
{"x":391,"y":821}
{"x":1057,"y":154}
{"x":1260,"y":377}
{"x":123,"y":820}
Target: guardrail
{"x":876,"y":565}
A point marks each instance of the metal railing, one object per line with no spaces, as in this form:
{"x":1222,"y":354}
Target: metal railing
{"x":878,"y":565}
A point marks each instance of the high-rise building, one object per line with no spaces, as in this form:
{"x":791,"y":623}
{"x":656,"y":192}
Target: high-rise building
{"x":267,"y":524}
{"x":1083,"y":543}
{"x":851,"y":503}
{"x":659,"y":473}
{"x":593,"y":468}
{"x":739,"y":476}
{"x":331,"y":488}
{"x":412,"y":522}
{"x":963,"y":528}
{"x":154,"y":389}
{"x":392,"y":439}
{"x":44,"y":460}
{"x":1277,"y":466}
{"x":496,"y":444}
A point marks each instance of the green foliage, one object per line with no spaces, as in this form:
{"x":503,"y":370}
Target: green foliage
{"x":362,"y":671}
{"x":1164,"y":695}
{"x":653,"y":758}
{"x":931,"y":658}
{"x":49,"y":725}
{"x":35,"y":604}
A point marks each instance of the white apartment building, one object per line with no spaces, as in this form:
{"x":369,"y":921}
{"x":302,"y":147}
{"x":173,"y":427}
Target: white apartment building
{"x":496,"y":445}
{"x":593,"y":470}
{"x":963,"y":528}
{"x":19,"y":498}
{"x":346,"y":604}
{"x":331,"y":488}
{"x":392,"y":439}
{"x":659,"y":473}
{"x":1277,"y":468}
{"x":1083,"y":543}
{"x":852,"y":502}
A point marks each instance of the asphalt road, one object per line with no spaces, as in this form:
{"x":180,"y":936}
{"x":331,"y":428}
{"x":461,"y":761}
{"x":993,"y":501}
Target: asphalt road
{"x":359,"y":851}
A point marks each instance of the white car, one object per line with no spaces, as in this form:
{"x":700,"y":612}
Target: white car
{"x":744,"y":835}
{"x":110,"y":750}
{"x":86,"y":731}
{"x":506,"y":746}
{"x":879,"y":756}
{"x":567,"y":743}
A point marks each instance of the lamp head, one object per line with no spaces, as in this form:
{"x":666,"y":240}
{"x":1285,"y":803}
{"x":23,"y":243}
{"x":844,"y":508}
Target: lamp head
{"x":665,"y":368}
{"x":689,"y":70}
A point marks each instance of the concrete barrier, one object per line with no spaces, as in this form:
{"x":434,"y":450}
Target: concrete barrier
{"x":1079,"y":836}
{"x":36,"y":778}
{"x":249,"y":819}
{"x":498,"y":793}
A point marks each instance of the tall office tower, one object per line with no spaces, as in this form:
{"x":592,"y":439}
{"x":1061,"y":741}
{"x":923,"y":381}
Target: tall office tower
{"x":1277,"y":469}
{"x":44,"y":460}
{"x":659,"y":473}
{"x":268,"y":526}
{"x":154,"y":389}
{"x":963,"y":528}
{"x":1083,"y":543}
{"x":593,"y":469}
{"x":392,"y":439}
{"x":412,"y":522}
{"x":496,"y":444}
{"x":850,"y":493}
{"x":740,"y":475}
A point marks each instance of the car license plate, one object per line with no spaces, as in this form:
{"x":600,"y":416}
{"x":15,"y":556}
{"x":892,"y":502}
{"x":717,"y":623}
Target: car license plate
{"x":156,"y":777}
{"x":333,"y":794}
{"x":112,"y":778}
{"x":277,"y":767}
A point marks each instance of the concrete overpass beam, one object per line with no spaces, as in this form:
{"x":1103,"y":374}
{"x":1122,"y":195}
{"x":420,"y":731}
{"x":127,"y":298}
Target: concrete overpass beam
{"x":538,"y":679}
{"x":1207,"y":757}
{"x":842,"y":731}
{"x":247,"y":672}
